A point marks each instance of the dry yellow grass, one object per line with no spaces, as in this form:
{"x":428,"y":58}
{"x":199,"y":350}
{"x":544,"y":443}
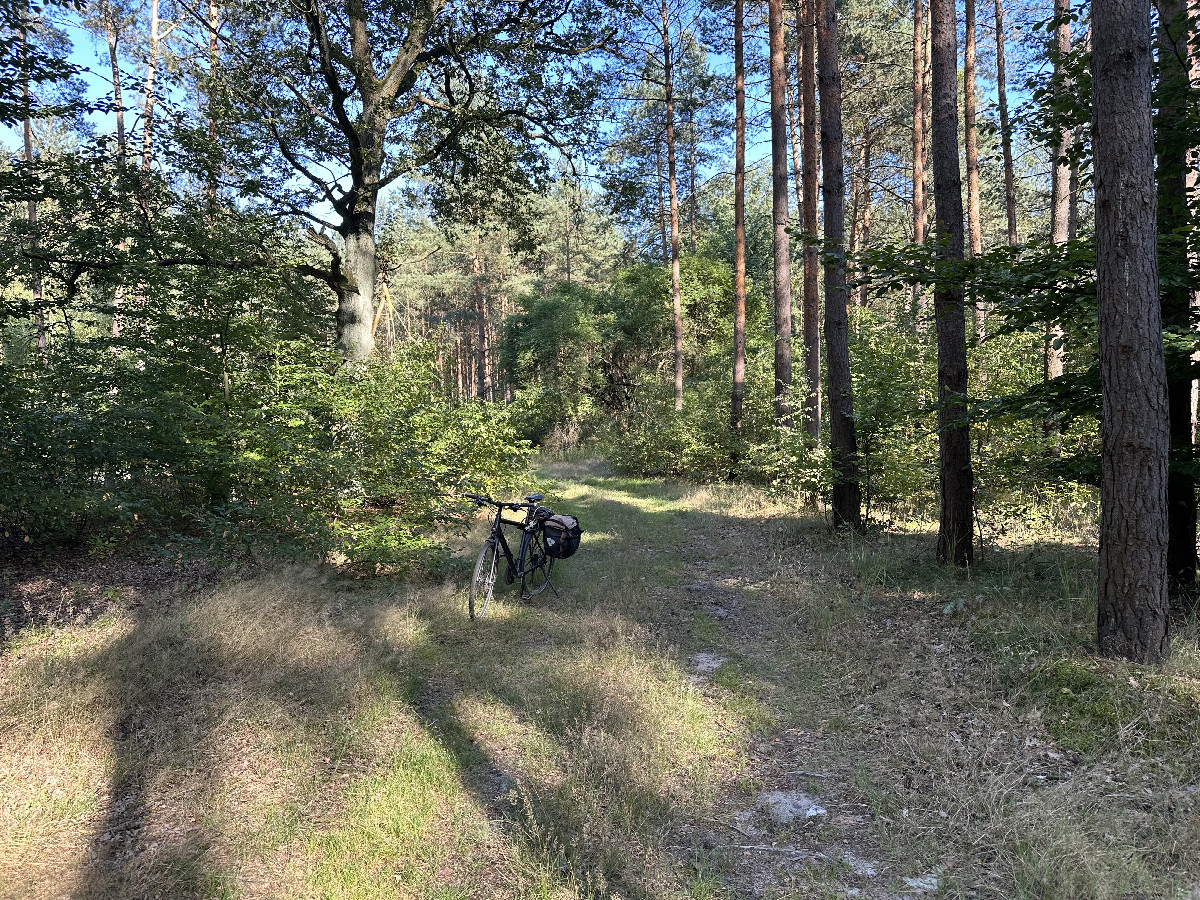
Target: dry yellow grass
{"x":299,"y":735}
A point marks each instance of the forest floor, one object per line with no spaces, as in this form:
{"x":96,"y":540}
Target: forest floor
{"x":725,"y":700}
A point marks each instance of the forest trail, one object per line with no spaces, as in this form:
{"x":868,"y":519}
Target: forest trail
{"x":724,"y":701}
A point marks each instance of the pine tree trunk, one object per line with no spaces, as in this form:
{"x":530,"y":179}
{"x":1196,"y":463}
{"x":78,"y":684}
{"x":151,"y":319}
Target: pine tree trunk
{"x":1010,"y":190}
{"x":1132,"y":616}
{"x":918,"y":145}
{"x":920,"y":213}
{"x":782,"y":282}
{"x":805,"y":25}
{"x":794,"y":129}
{"x":1060,"y":193}
{"x":847,"y":493}
{"x":957,"y":522}
{"x":662,"y":202}
{"x":483,"y":378}
{"x":692,"y":140}
{"x":1174,"y":217}
{"x":970,"y":139}
{"x":739,"y":220}
{"x":673,"y":194}
{"x":864,"y":231}
{"x":31,"y":210}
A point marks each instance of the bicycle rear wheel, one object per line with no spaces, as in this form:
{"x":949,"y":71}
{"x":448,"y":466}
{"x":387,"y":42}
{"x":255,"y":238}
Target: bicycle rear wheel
{"x":483,"y":582}
{"x":536,"y":577}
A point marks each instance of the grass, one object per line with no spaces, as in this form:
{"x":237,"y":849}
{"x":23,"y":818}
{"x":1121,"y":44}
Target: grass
{"x":298,"y":735}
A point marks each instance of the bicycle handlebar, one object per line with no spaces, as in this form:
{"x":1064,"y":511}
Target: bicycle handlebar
{"x":488,"y":501}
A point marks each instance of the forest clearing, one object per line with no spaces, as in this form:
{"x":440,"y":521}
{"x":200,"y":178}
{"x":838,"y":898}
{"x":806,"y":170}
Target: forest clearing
{"x":725,"y":701}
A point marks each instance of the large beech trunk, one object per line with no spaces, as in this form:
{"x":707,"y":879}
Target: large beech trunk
{"x":739,"y":220}
{"x":843,"y":444}
{"x":782,"y":286}
{"x":1132,"y":612}
{"x":356,"y":286}
{"x":957,"y":521}
{"x":806,"y":26}
{"x":673,"y":195}
{"x":1174,"y":217}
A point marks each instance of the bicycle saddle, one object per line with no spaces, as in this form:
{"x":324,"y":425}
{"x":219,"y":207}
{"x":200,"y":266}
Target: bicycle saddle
{"x":534,"y":498}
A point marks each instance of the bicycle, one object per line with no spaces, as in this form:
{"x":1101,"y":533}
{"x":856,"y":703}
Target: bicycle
{"x":532,"y":564}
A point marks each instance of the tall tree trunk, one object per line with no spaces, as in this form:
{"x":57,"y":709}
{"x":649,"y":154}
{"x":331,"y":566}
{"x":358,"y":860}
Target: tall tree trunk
{"x":148,"y":92}
{"x":974,"y":225}
{"x":918,"y":145}
{"x":1060,"y":189}
{"x":1174,"y":218}
{"x":847,"y":492}
{"x":739,"y":220}
{"x":1010,"y":189}
{"x":806,"y":26}
{"x":1132,"y":613}
{"x":112,"y":36}
{"x":957,"y":523}
{"x":920,"y":213}
{"x":794,"y":129}
{"x":864,"y":227}
{"x":31,"y":210}
{"x":214,"y":13}
{"x":692,"y":140}
{"x":673,"y":193}
{"x":782,"y":283}
{"x":356,"y":284}
{"x":662,"y":202}
{"x":483,"y":378}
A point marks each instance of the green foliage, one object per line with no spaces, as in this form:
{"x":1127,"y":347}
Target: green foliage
{"x":189,"y":393}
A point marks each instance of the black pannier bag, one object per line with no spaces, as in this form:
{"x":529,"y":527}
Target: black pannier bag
{"x":562,"y":535}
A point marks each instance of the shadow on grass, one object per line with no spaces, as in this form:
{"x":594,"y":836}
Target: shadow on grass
{"x":591,"y":681}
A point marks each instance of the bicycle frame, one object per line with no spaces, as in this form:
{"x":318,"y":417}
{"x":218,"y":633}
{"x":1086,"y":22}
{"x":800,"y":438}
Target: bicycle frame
{"x":515,"y":566}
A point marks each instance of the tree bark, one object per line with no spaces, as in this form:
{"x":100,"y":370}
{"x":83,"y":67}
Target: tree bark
{"x":673,"y":194}
{"x":112,"y":37}
{"x":148,"y":91}
{"x":920,"y":115}
{"x":31,"y":210}
{"x":1010,"y":190}
{"x":1060,"y":194}
{"x":847,"y":492}
{"x":739,"y":220}
{"x":794,"y":129}
{"x":805,"y":25}
{"x":864,"y":223}
{"x":483,"y":378}
{"x":782,"y":282}
{"x":957,"y":522}
{"x":970,"y":139}
{"x":1174,"y":218}
{"x":1132,"y":614}
{"x":662,"y":203}
{"x":692,"y":139}
{"x":920,"y":215}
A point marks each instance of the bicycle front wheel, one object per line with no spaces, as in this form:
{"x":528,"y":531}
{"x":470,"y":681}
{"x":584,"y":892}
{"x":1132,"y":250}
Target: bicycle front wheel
{"x":483,"y":582}
{"x":537,"y":569}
